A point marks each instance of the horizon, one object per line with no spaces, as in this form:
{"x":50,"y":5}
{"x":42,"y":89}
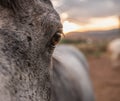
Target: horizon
{"x":93,"y":31}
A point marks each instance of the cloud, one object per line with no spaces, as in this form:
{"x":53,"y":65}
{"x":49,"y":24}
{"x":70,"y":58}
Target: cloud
{"x":82,"y":10}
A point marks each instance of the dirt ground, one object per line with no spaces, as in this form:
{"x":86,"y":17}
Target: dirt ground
{"x":106,"y":79}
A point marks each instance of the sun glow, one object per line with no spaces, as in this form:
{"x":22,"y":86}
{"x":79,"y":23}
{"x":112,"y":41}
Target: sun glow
{"x":69,"y":27}
{"x":94,"y":24}
{"x":106,"y":23}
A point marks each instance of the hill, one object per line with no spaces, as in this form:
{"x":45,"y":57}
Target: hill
{"x":94,"y":35}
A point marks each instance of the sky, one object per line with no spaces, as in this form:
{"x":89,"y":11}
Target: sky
{"x":85,"y":15}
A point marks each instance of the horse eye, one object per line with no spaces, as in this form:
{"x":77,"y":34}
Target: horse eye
{"x":55,"y":39}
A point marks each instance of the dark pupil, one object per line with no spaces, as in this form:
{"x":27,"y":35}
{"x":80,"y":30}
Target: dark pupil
{"x":56,"y":38}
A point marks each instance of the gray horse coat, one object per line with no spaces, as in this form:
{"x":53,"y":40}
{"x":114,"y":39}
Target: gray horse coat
{"x":29,"y":31}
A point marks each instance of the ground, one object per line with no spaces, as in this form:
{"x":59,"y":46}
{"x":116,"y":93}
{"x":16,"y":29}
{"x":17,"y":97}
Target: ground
{"x":106,"y":79}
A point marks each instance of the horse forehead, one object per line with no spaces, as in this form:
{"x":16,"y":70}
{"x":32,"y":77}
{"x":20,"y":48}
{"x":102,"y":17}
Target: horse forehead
{"x":45,"y":8}
{"x":47,"y":1}
{"x":22,"y":4}
{"x":47,"y":16}
{"x":43,"y":2}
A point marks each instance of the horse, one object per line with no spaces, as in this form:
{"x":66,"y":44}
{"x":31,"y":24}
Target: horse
{"x":29,"y":33}
{"x":114,"y":52}
{"x":71,"y":80}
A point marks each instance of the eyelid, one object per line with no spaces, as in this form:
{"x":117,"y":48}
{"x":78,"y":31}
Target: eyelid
{"x":61,"y":31}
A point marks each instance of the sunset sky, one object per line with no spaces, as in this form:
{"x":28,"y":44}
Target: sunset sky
{"x":88,"y":15}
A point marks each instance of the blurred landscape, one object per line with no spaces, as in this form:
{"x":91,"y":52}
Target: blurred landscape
{"x":105,"y":78}
{"x":90,"y":25}
{"x":94,"y":35}
{"x":92,"y":43}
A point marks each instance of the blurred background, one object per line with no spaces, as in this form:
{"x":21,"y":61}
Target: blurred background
{"x":93,"y":26}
